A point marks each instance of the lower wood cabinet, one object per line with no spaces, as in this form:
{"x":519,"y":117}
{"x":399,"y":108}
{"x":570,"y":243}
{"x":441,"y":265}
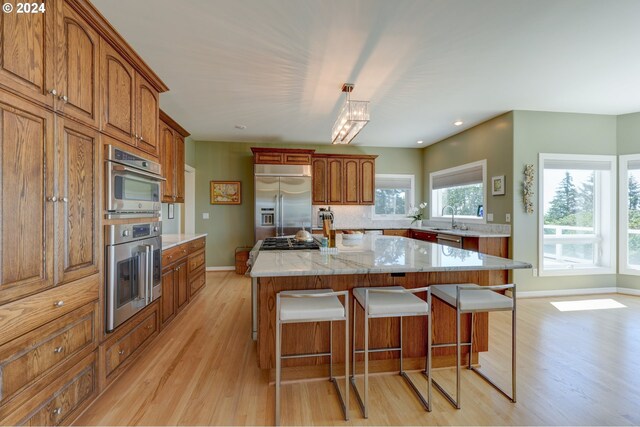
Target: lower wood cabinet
{"x":400,"y":233}
{"x":181,"y":283}
{"x":197,"y":283}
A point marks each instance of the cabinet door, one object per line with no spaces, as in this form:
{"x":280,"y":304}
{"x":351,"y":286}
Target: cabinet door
{"x":168,"y":161}
{"x":117,"y":78}
{"x":367,"y":181}
{"x":181,"y":284}
{"x":351,"y":181}
{"x":26,"y":181}
{"x":147,"y":116}
{"x":319,"y":180}
{"x":168,"y":305}
{"x":27,"y":52}
{"x":78,"y":208}
{"x":334,"y":172}
{"x":178,"y":142}
{"x":78,"y":59}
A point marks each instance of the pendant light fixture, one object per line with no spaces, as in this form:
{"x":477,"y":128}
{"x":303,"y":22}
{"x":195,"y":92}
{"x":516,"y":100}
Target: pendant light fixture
{"x":353,"y":116}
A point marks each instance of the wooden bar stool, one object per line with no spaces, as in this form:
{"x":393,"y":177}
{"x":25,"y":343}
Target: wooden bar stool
{"x":315,"y":305}
{"x":390,"y":301}
{"x":471,"y":298}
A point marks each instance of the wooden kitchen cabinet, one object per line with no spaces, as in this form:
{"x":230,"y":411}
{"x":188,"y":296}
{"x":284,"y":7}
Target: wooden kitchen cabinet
{"x":399,"y":233}
{"x":77,"y":80}
{"x":117,"y":78}
{"x":172,"y":158}
{"x":427,"y":236}
{"x":27,"y":185}
{"x":79,"y":247}
{"x":181,"y":281}
{"x":281,"y":156}
{"x":343,"y":179}
{"x":147,"y":116}
{"x":28,"y":53}
{"x":168,"y":303}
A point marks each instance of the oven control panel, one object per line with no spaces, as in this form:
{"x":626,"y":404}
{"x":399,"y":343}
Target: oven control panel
{"x":123,"y":233}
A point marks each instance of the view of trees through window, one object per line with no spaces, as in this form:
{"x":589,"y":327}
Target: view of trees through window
{"x":633,"y":201}
{"x":466,"y":199}
{"x":391,"y":201}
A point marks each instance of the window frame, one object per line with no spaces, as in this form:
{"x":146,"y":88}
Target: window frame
{"x":468,"y":219}
{"x":623,"y":216}
{"x":598,"y":221}
{"x":411,"y":201}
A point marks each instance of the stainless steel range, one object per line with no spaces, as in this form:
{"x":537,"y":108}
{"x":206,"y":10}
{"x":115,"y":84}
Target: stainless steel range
{"x":134,"y":266}
{"x":286,"y":244}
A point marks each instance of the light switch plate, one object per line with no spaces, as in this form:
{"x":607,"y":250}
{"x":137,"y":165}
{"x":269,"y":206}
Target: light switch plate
{"x":489,"y":217}
{"x":507,"y":217}
{"x":205,"y":215}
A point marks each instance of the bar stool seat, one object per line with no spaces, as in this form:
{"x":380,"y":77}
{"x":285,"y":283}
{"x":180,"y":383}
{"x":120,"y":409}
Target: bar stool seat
{"x":310,"y":309}
{"x":472,"y":300}
{"x":391,"y":303}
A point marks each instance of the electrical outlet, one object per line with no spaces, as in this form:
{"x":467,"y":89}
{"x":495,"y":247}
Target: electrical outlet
{"x":205,"y":215}
{"x":535,"y":272}
{"x":489,"y":217}
{"x":507,"y":217}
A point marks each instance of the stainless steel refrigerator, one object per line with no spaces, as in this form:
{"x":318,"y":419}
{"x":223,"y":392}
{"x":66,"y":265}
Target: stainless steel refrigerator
{"x":282,"y":199}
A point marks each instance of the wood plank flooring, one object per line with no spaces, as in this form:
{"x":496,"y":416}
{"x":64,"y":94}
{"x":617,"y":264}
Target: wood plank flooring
{"x":574,"y":368}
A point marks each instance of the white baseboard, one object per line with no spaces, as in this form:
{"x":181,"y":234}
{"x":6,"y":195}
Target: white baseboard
{"x":223,"y":268}
{"x":629,"y":291}
{"x":569,"y":292}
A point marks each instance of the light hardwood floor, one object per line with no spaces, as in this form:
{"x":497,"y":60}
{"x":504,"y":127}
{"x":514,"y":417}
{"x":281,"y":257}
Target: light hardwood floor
{"x":575,"y":368}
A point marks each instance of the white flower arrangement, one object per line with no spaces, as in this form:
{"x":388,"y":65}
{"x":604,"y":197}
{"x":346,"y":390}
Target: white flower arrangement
{"x":417,"y":213}
{"x":527,"y":188}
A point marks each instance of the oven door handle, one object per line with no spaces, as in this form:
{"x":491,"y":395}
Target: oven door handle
{"x":149,"y":255}
{"x":142,"y":274}
{"x":122,"y":168}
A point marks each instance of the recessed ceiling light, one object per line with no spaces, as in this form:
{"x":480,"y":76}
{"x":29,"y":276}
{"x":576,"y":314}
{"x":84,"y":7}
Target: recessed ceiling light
{"x":420,"y":142}
{"x":458,"y":123}
{"x":241,"y":127}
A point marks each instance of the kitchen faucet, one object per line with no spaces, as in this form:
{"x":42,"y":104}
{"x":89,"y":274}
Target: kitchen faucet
{"x":453,"y":224}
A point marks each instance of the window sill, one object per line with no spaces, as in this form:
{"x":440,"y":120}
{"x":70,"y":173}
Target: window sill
{"x":630,"y":271}
{"x":582,"y":271}
{"x":460,"y":219}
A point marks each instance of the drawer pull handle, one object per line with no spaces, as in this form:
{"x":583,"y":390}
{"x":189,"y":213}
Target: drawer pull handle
{"x":149,"y":326}
{"x":58,"y":349}
{"x":58,"y":304}
{"x":57,"y":411}
{"x":121,"y":352}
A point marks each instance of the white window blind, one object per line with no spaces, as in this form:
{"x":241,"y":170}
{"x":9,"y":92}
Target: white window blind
{"x":467,"y":176}
{"x":395,"y":182}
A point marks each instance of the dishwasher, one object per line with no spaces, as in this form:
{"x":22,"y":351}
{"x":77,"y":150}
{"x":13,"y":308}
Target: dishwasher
{"x":449,"y":240}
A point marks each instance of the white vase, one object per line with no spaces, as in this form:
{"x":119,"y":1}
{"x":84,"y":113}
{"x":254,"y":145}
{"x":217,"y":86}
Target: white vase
{"x":418,"y":223}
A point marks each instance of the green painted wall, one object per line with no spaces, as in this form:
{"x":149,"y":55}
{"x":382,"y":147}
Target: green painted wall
{"x":543,"y":132}
{"x":229,"y":227}
{"x":189,"y":151}
{"x":491,"y":140}
{"x":628,"y":138}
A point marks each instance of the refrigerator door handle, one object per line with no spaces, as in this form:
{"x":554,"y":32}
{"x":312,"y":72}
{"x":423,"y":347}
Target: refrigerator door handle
{"x":277,"y":214}
{"x":282,"y":214}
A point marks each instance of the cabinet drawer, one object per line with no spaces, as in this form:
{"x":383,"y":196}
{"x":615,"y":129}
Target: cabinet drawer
{"x":127,"y":345}
{"x":297,"y":159}
{"x":423,"y":235}
{"x":269,"y":158}
{"x":197,"y":283}
{"x":401,"y":233}
{"x":196,"y":245}
{"x":196,"y":261}
{"x":26,"y":314}
{"x":59,"y":406}
{"x":174,"y":254}
{"x":28,"y":358}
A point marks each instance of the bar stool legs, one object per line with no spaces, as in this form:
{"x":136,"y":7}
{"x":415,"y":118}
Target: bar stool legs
{"x":330,"y":309}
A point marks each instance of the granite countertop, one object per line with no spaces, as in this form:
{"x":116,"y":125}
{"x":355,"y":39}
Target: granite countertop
{"x":454,"y":232}
{"x":377,"y":254}
{"x":171,"y":240}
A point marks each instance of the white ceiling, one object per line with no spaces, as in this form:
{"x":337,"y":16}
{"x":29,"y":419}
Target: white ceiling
{"x":277,"y":66}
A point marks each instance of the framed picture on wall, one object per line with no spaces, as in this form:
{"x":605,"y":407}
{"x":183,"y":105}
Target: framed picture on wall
{"x":225,"y":193}
{"x":497,"y":186}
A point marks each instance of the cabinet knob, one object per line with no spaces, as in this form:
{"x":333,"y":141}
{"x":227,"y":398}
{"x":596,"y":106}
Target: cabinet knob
{"x":58,"y":350}
{"x":64,"y":199}
{"x":121,"y":352}
{"x":149,"y":326}
{"x":53,"y":92}
{"x":63,"y":98}
{"x":57,"y":411}
{"x":58,"y":304}
{"x":52,"y":199}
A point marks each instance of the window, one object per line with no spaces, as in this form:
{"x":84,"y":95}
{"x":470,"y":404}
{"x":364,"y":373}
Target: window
{"x":630,"y":214}
{"x":577,"y":213}
{"x":394,"y":196}
{"x":462,"y":188}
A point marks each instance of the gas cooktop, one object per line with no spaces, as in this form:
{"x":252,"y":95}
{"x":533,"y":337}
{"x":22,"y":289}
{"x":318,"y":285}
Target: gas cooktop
{"x":286,"y":244}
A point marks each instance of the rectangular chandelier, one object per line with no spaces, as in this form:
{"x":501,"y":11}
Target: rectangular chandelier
{"x":353,"y":116}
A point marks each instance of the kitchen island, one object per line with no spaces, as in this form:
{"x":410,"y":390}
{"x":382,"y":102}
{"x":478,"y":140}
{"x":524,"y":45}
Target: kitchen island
{"x":375,"y":260}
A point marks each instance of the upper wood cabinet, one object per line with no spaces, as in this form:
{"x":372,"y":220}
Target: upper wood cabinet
{"x":27,"y":53}
{"x":343,"y":179}
{"x":281,"y":156}
{"x":172,"y":158}
{"x":77,"y":91}
{"x":27,"y":204}
{"x":147,"y":116}
{"x":117,"y":78}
